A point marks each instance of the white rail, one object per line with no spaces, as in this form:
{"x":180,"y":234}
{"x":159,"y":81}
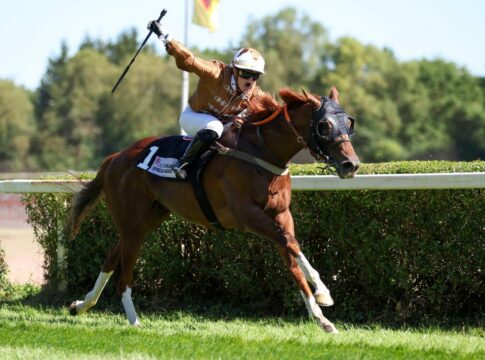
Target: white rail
{"x":324,"y":182}
{"x":392,"y":182}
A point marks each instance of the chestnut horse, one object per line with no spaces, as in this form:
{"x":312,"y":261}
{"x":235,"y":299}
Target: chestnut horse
{"x":250,"y":192}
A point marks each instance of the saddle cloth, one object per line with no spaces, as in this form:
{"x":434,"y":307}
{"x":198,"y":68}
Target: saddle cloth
{"x":159,"y":157}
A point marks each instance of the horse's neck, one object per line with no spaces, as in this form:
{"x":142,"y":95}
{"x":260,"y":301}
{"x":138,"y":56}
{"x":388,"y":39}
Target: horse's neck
{"x":276,"y":143}
{"x":281,"y":139}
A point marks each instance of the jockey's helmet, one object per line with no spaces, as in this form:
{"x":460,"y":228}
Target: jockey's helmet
{"x":248,"y":59}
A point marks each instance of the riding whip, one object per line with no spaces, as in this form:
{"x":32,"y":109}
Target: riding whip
{"x":162,"y":14}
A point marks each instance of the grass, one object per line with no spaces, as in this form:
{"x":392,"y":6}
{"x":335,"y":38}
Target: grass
{"x":28,"y":331}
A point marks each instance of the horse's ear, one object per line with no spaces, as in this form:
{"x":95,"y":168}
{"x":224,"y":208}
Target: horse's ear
{"x":311,"y":99}
{"x":305,"y":93}
{"x":334,"y":94}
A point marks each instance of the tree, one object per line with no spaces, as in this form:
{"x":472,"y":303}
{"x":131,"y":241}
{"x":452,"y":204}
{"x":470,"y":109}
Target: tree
{"x":16,"y":126}
{"x":68,"y":132}
{"x":293,"y":46}
{"x":147,"y":103}
{"x":362,"y":74}
{"x":125,"y":46}
{"x":456,"y":108}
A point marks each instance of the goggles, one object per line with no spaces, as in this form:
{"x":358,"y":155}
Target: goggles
{"x":248,"y":74}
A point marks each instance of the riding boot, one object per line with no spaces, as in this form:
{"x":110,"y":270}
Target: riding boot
{"x":199,"y":144}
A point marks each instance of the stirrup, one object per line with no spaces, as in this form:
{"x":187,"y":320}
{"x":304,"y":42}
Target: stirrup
{"x":180,"y":171}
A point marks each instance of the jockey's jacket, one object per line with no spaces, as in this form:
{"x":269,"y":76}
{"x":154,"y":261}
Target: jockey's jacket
{"x":216,"y":91}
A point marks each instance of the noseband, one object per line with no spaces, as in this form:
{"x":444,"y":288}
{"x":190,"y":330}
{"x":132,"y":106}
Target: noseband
{"x":328,"y":123}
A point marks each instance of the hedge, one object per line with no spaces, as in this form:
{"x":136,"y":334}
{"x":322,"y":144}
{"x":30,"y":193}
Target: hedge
{"x":406,"y":255}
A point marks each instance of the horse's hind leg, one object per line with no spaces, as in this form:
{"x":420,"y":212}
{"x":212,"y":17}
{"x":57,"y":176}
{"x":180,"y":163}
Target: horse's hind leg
{"x":132,"y":236}
{"x":131,"y":246}
{"x":125,"y":253}
{"x":79,"y":307}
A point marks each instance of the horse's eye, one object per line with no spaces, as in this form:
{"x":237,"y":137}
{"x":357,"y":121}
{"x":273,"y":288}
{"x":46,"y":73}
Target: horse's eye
{"x":324,"y":128}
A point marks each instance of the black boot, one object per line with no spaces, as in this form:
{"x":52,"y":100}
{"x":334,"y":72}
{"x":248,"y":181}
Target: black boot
{"x":199,"y":144}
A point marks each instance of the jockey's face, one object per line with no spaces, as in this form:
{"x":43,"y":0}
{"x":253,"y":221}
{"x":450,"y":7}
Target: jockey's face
{"x":246,"y":79}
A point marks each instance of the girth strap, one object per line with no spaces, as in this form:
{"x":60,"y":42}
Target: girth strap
{"x":195,"y":179}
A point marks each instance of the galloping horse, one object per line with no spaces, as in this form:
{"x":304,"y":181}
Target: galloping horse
{"x":246,"y":182}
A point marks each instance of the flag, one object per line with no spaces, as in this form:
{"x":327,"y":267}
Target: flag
{"x":206,"y":13}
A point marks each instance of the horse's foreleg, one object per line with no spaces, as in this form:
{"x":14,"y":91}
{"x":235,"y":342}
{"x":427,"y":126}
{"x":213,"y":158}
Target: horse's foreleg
{"x":281,"y":230}
{"x":322,"y":294}
{"x":302,"y":272}
{"x":313,"y":309}
{"x":316,"y":314}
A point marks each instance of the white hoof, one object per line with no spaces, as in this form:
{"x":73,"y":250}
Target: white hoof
{"x":323,"y":298}
{"x":77,"y":308}
{"x":137,"y":323}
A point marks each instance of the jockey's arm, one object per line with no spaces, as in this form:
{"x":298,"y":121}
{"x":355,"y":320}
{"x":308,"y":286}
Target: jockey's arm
{"x":187,"y":61}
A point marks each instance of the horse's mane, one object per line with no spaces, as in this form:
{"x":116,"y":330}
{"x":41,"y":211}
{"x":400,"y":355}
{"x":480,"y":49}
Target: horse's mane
{"x":261,"y":106}
{"x":293,"y":98}
{"x":264,"y":105}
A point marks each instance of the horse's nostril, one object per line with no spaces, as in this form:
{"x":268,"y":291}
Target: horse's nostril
{"x":350,"y":166}
{"x":347,"y":165}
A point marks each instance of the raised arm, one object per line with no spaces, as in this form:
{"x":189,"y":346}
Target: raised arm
{"x":184,"y":58}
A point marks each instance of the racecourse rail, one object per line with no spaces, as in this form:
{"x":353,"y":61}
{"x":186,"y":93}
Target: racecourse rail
{"x":299,"y":182}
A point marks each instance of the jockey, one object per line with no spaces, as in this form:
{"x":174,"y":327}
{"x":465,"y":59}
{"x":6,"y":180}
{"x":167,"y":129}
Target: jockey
{"x":222,"y":93}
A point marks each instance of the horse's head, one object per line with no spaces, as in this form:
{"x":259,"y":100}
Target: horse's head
{"x":328,"y":132}
{"x":329,"y":136}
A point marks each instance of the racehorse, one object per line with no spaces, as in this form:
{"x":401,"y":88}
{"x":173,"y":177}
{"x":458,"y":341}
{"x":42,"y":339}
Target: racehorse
{"x":249,"y":190}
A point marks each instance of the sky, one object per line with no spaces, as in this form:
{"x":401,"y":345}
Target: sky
{"x":31,"y":31}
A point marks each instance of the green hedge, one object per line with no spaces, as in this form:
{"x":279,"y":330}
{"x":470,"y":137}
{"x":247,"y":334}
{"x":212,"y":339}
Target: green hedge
{"x":5,"y":285}
{"x":384,"y":254}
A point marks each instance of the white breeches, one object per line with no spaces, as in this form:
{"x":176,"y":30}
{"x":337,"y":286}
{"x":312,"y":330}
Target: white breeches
{"x":191,"y":122}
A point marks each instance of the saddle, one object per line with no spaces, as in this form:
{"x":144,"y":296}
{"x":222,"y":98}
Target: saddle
{"x":159,"y":158}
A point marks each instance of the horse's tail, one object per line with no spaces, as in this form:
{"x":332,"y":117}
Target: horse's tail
{"x":86,"y":199}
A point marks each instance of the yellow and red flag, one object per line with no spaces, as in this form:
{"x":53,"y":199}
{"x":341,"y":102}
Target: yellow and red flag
{"x":206,"y":13}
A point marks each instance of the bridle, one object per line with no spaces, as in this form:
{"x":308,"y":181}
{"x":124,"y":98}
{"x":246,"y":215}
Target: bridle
{"x":329,"y":115}
{"x":329,"y":122}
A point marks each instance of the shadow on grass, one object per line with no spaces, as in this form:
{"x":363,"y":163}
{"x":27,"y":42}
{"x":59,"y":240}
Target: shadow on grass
{"x":43,"y":298}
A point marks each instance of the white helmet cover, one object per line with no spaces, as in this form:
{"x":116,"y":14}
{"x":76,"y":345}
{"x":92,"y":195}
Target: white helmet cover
{"x":249,"y":59}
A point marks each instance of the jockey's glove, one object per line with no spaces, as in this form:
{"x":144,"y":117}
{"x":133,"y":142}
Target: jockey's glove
{"x":160,"y":31}
{"x":238,"y":121}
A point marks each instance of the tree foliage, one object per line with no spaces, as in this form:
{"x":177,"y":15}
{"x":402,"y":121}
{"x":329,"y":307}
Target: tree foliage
{"x":421,"y":109}
{"x":16,"y":126}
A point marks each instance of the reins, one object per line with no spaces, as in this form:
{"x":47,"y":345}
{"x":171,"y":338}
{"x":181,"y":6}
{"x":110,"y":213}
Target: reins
{"x":299,"y":138}
{"x":268,"y":166}
{"x":273,"y":116}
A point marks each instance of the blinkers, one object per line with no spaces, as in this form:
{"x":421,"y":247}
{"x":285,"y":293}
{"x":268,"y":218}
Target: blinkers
{"x":328,"y":123}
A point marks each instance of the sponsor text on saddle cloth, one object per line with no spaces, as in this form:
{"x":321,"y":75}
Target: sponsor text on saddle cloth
{"x":162,"y":155}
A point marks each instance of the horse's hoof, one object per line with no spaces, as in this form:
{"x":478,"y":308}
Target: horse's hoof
{"x":329,"y":328}
{"x":323,"y":298}
{"x":73,"y":309}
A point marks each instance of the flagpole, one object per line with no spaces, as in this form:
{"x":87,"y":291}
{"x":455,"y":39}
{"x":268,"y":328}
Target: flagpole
{"x":185,"y":75}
